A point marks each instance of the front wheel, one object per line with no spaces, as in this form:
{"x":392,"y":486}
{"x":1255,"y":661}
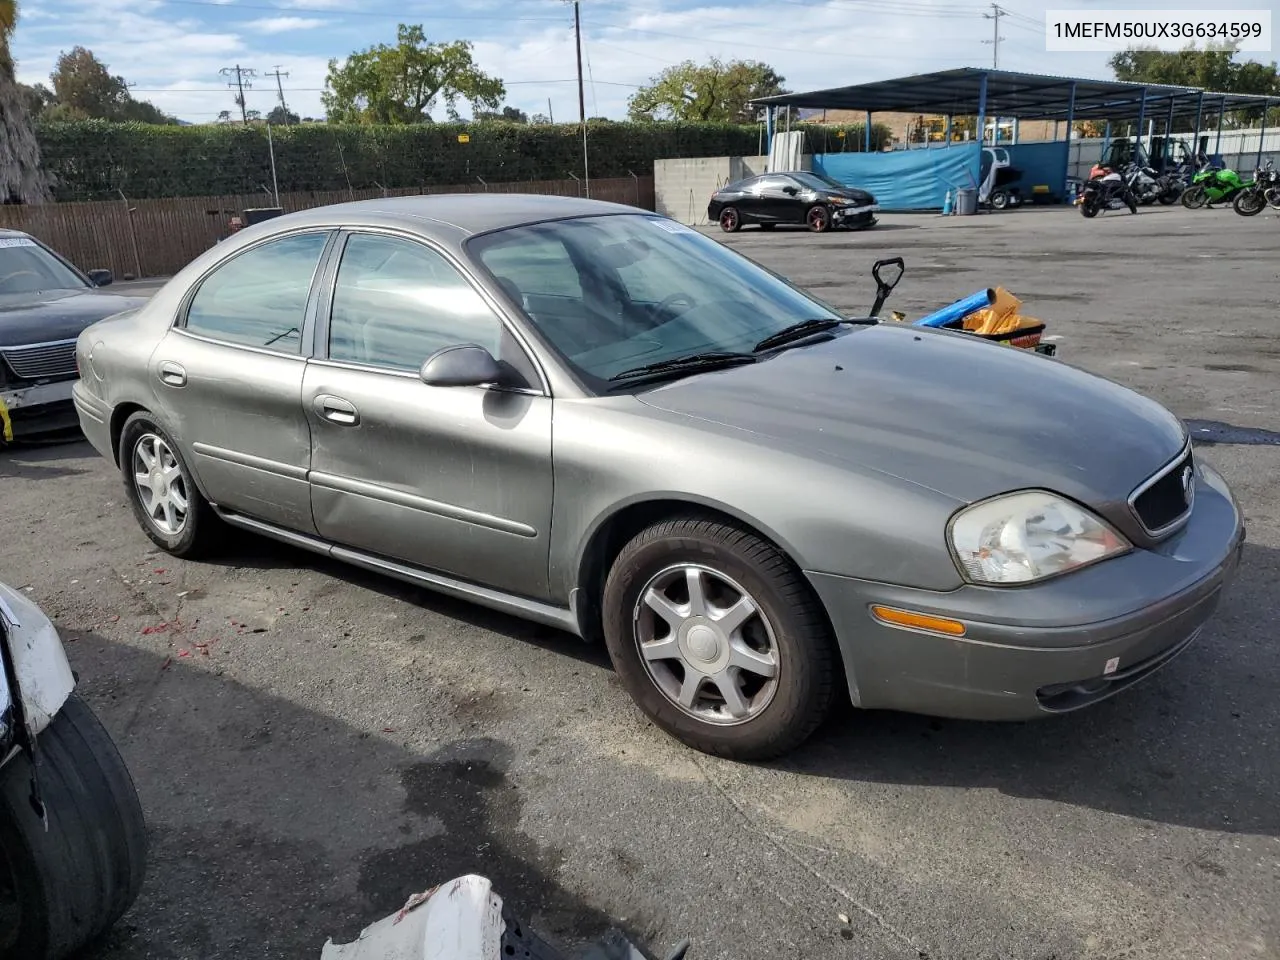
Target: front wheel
{"x":1249,"y":203}
{"x":1193,"y":198}
{"x":819,"y":219}
{"x":719,"y":639}
{"x":63,"y":887}
{"x":999,"y":199}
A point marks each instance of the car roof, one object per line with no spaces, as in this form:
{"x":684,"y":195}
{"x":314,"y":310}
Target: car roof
{"x":8,"y":234}
{"x":453,"y":215}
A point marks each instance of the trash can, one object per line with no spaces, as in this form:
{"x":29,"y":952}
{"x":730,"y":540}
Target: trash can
{"x":966,"y":202}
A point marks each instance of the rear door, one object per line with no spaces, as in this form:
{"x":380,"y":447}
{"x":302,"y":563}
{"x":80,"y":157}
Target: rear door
{"x":452,"y":479}
{"x":228,"y":378}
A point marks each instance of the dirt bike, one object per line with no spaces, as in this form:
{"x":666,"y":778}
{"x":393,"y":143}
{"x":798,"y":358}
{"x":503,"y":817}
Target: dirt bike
{"x":72,"y":838}
{"x":1263,"y":189}
{"x":1212,"y":186}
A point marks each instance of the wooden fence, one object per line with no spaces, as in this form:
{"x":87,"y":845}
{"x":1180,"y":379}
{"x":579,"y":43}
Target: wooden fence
{"x":156,"y":238}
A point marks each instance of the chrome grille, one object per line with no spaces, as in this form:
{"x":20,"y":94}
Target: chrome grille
{"x":1165,"y":500}
{"x":42,"y":361}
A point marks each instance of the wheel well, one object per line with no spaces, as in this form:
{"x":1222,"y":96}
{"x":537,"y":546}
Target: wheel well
{"x":118,"y":416}
{"x":614,"y":534}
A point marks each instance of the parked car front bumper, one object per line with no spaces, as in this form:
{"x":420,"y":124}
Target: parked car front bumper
{"x":1046,"y":648}
{"x":28,"y":411}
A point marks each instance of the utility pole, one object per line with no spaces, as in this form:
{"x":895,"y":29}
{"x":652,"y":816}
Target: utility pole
{"x":280,"y":89}
{"x":582,"y":100}
{"x":241,"y":74}
{"x":994,"y":17}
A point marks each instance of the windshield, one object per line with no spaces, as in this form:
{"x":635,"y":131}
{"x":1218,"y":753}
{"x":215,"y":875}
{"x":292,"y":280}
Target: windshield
{"x":615,"y":292}
{"x":818,"y":181}
{"x":26,"y":267}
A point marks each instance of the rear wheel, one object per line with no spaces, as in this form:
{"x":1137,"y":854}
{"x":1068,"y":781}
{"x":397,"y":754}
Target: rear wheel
{"x":1168,"y":197}
{"x":818,"y":218}
{"x":1193,"y":198}
{"x":730,"y":220}
{"x":164,"y":497}
{"x":1089,"y":208}
{"x":63,"y":887}
{"x":718,"y":639}
{"x":1249,"y":202}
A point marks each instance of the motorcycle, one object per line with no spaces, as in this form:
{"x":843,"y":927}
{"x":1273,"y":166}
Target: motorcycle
{"x":1264,"y":189}
{"x":73,"y":842}
{"x":1107,"y":189}
{"x":1211,"y":186}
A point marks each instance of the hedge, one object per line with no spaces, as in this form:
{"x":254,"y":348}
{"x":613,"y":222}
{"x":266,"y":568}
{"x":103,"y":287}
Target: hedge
{"x":97,"y":160}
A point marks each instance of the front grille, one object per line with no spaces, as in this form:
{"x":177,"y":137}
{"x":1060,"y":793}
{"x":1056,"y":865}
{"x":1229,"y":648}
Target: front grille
{"x":1166,"y":498}
{"x":42,"y":361}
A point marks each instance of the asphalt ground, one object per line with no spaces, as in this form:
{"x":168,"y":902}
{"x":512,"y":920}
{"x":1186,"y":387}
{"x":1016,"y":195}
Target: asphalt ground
{"x":312,"y":743}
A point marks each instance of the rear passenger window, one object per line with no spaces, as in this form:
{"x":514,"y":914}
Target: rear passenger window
{"x":259,"y":298}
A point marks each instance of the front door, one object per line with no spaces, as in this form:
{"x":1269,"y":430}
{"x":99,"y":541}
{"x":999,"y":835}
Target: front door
{"x":228,"y":378}
{"x":452,"y":479}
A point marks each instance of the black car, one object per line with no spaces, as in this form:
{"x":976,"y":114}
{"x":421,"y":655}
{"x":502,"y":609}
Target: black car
{"x":800,"y":197}
{"x":44,"y":304}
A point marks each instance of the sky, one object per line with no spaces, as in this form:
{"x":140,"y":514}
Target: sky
{"x":174,"y":51}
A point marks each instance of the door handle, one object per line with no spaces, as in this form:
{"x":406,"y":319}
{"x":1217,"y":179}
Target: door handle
{"x":336,"y":410}
{"x":172,"y":374}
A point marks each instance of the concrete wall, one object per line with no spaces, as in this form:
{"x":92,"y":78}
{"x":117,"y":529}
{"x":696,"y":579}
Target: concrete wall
{"x":681,"y":188}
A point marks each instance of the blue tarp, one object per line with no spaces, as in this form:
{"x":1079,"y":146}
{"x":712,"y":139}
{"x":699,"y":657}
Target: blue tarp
{"x":1040,"y":163}
{"x":905,"y":179}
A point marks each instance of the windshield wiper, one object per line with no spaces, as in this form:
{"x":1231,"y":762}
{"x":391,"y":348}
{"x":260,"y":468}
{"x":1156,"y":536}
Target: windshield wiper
{"x":695,"y":361}
{"x":806,"y":328}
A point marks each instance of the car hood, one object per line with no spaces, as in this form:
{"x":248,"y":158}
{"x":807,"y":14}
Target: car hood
{"x":56,"y":314}
{"x":963,"y":417}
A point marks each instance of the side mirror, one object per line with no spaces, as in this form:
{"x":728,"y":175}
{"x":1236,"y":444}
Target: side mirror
{"x":464,"y":365}
{"x":100,"y":278}
{"x":790,"y":191}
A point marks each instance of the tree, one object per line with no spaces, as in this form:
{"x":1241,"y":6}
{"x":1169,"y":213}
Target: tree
{"x":21,"y":178}
{"x":540,"y":118}
{"x":509,"y":114}
{"x":224,"y":116}
{"x":252,"y":116}
{"x":83,"y":87}
{"x":715,"y":91}
{"x":402,"y":83}
{"x":281,"y":116}
{"x":1214,"y":69}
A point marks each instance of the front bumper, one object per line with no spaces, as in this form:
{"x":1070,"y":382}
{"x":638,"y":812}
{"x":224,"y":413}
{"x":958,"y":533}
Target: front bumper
{"x":855,"y":216}
{"x":29,"y":411}
{"x":1043,"y":649}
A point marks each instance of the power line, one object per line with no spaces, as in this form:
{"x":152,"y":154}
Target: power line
{"x":241,"y":73}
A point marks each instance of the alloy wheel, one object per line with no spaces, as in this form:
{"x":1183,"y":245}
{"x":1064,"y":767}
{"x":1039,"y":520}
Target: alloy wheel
{"x":729,"y":220}
{"x":160,"y":484}
{"x":706,"y":644}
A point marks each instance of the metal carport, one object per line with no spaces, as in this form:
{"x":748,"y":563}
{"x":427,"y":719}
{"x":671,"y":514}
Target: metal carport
{"x":974,"y":91}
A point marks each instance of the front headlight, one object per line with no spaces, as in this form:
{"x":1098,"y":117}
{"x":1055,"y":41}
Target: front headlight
{"x":1029,"y":536}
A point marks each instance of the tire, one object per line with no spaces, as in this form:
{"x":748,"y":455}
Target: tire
{"x":1089,"y":209}
{"x":1193,"y":198}
{"x":818,"y":218}
{"x":730,"y":220}
{"x":775,"y":715}
{"x":1168,"y":198}
{"x":999,"y":199}
{"x":69,"y":884}
{"x":200,"y":530}
{"x":1248,"y":203}
{"x":1273,"y":197}
{"x":1131,"y":203}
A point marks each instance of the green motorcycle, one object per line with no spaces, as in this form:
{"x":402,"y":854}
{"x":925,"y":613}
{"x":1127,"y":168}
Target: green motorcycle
{"x":1213,"y":186}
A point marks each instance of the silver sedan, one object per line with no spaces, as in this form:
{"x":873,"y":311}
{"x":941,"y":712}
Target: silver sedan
{"x":594,"y":417}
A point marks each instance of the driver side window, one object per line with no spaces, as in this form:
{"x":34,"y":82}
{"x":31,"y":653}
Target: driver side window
{"x":396,"y":302}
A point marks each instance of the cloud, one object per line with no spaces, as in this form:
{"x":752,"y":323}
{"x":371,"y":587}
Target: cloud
{"x":284,"y":24}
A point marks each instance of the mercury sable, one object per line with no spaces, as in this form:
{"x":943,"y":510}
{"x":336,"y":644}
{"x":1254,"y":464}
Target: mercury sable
{"x":597,"y":418}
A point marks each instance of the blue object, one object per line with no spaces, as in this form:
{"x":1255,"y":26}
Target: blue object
{"x":958,"y":310}
{"x":946,"y":205}
{"x":904,"y":179}
{"x":1041,"y":163}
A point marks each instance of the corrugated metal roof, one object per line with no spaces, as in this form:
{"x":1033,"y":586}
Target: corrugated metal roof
{"x":1024,"y":95}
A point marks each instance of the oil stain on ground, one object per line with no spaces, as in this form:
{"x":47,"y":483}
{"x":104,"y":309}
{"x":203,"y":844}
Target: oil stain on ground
{"x":1214,"y":432}
{"x":466,"y":788}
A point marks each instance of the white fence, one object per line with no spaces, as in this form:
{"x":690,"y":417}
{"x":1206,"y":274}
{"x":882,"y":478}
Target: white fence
{"x":1239,"y":149}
